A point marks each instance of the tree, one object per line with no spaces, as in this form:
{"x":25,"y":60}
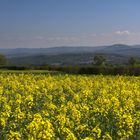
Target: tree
{"x":132,"y":61}
{"x":99,"y":60}
{"x":3,"y":60}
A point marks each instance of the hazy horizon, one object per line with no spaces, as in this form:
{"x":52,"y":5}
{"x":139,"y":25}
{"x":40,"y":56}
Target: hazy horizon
{"x":53,"y":23}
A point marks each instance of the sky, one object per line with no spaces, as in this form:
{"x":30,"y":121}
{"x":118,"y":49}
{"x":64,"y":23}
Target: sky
{"x":51,"y":23}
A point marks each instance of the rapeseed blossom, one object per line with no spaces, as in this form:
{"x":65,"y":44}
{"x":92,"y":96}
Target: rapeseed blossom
{"x":54,"y":107}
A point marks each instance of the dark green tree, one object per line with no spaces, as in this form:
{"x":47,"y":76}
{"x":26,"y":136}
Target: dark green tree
{"x":99,"y":60}
{"x":3,"y":60}
{"x":132,"y":61}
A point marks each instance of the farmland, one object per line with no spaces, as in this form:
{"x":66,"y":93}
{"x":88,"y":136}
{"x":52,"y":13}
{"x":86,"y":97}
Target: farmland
{"x":72,"y":107}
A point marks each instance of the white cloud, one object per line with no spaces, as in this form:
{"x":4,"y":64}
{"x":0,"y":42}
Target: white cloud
{"x":72,"y":38}
{"x":120,"y":36}
{"x":122,"y":32}
{"x":85,"y":39}
{"x":61,"y":38}
{"x":39,"y":37}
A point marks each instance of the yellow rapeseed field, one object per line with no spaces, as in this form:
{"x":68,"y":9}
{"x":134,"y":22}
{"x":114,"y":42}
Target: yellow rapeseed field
{"x":69,"y":107}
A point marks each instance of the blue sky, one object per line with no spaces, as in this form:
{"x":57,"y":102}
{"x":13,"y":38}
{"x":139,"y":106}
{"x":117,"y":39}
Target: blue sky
{"x":49,"y":23}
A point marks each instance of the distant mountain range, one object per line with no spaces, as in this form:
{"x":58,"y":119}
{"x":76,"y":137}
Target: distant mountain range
{"x":115,"y":54}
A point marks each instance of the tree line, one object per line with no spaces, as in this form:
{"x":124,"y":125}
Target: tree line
{"x":98,"y":66}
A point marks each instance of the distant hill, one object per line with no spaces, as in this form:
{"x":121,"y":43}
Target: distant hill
{"x":115,"y":54}
{"x":20,"y":52}
{"x":122,"y":50}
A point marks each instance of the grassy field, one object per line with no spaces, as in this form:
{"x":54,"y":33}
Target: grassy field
{"x":26,"y":71}
{"x":50,"y":105}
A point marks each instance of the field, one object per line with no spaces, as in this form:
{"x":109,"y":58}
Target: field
{"x":72,"y":107}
